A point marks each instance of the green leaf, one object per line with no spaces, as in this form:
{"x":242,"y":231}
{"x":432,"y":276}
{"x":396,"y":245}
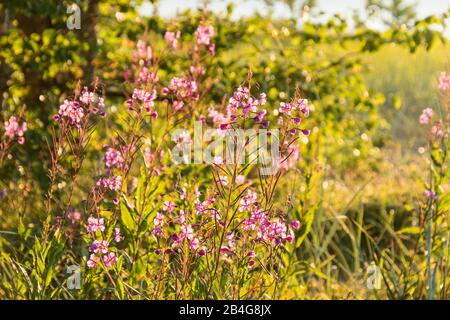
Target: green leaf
{"x":409,"y":230}
{"x":307,"y":221}
{"x":444,"y":203}
{"x":126,"y":217}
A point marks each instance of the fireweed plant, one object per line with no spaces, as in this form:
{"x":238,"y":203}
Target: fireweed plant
{"x":150,"y":228}
{"x":436,"y":231}
{"x":424,"y":273}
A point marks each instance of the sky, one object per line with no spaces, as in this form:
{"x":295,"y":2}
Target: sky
{"x":169,"y":8}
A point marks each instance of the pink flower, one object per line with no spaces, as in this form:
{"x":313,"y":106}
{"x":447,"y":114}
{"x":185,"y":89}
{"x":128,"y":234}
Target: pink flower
{"x":13,"y":129}
{"x":285,"y":108}
{"x":212,"y":49}
{"x":181,"y":88}
{"x":172,"y":38}
{"x":194,"y":244}
{"x":168,"y":206}
{"x":145,"y":76}
{"x":72,"y":111}
{"x":159,"y":220}
{"x":197,"y":70}
{"x":110,"y":259}
{"x":86,"y":96}
{"x":147,"y":99}
{"x":113,"y":183}
{"x":302,"y":105}
{"x":248,"y":201}
{"x":438,"y":131}
{"x":73,"y":215}
{"x":92,"y":262}
{"x":240,"y":179}
{"x":223,"y":180}
{"x":289,"y":238}
{"x":186,"y":232}
{"x":204,"y":34}
{"x":183,"y":138}
{"x":243,"y":101}
{"x":95,"y":225}
{"x":444,"y":81}
{"x":224,"y":250}
{"x":295,"y":224}
{"x":148,"y":157}
{"x":182,"y":217}
{"x":157,"y":231}
{"x":101,"y":102}
{"x":99,"y":246}
{"x":143,"y":51}
{"x":426,"y":116}
{"x":117,"y":235}
{"x":430,"y":194}
{"x":113,"y":158}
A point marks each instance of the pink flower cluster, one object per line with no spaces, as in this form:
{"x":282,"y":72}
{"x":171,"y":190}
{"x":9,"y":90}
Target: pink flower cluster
{"x":269,"y":231}
{"x":143,"y":52}
{"x":288,"y":107}
{"x":73,"y":215}
{"x":182,"y":90}
{"x":13,"y":129}
{"x":113,"y":158}
{"x":204,"y":34}
{"x":295,"y":111}
{"x":158,"y":223}
{"x":143,"y":99}
{"x":113,"y":183}
{"x":146,"y":76}
{"x":92,"y":102}
{"x":95,"y":225}
{"x":426,"y":116}
{"x":87,"y":97}
{"x":248,"y":202}
{"x":438,"y":130}
{"x":207,"y":206}
{"x":109,"y":259}
{"x":172,"y":38}
{"x":183,"y":138}
{"x":444,"y":81}
{"x":186,"y":230}
{"x":71,"y":111}
{"x":243,"y":105}
{"x":258,"y":228}
{"x":186,"y":234}
{"x":100,"y":248}
{"x":168,"y":206}
{"x":430,"y":194}
{"x":74,"y":112}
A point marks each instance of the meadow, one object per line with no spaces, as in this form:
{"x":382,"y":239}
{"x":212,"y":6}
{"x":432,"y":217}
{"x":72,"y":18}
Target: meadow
{"x":106,"y":192}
